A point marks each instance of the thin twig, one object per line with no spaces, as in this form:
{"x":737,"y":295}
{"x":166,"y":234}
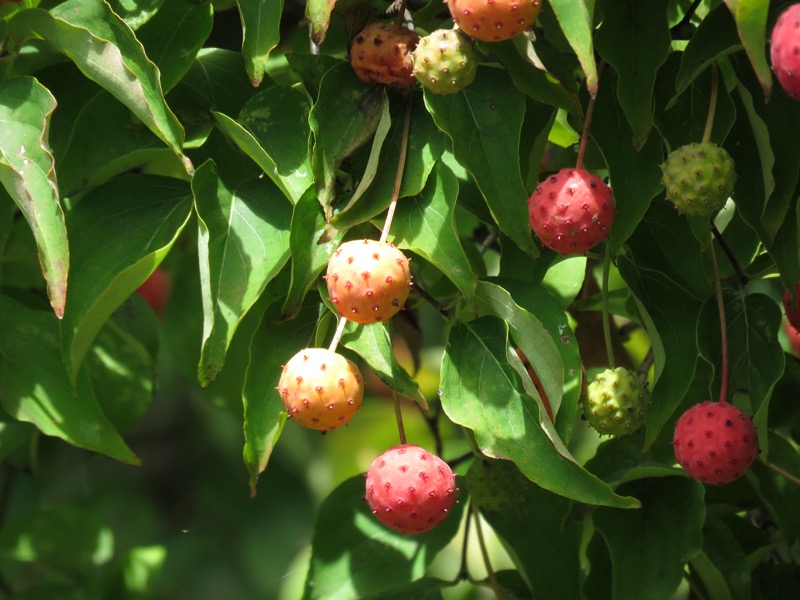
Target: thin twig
{"x":398,"y":415}
{"x":743,"y":278}
{"x":789,"y":477}
{"x":723,"y":325}
{"x":712,"y":103}
{"x":606,"y":315}
{"x":686,"y":20}
{"x":498,"y":593}
{"x":463,"y":570}
{"x":401,"y":12}
{"x":401,"y":165}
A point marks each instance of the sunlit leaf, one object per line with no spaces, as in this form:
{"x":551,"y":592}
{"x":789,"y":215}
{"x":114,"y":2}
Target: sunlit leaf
{"x":261,"y":31}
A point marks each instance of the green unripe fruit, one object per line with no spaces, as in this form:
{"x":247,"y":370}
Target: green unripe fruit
{"x":492,"y":484}
{"x":699,"y":178}
{"x":445,"y":62}
{"x":616,"y":402}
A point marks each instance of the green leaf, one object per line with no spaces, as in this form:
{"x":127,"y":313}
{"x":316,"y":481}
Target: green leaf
{"x":261,"y":31}
{"x":310,"y":68}
{"x":344,"y":117}
{"x":482,"y":392}
{"x":727,"y":557}
{"x":243,"y":243}
{"x":27,"y":171}
{"x":319,"y":13}
{"x":755,"y":357}
{"x":631,"y":24}
{"x":136,"y":12}
{"x":634,"y":174}
{"x":425,"y":224}
{"x":484,"y":121}
{"x":174,"y":35}
{"x":552,"y":569}
{"x":751,"y":23}
{"x":575,"y":18}
{"x":373,"y":344}
{"x":426,"y":588}
{"x":670,"y":317}
{"x":271,"y":347}
{"x":106,"y":50}
{"x":13,"y":434}
{"x":650,"y":547}
{"x":278,"y":119}
{"x":779,"y":495}
{"x":37,"y":389}
{"x":715,"y":37}
{"x":127,"y":227}
{"x":353,"y":555}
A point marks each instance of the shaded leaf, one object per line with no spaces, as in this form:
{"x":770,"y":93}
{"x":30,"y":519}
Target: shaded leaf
{"x":261,"y":31}
{"x":727,"y":560}
{"x":27,"y":171}
{"x":751,"y":23}
{"x":310,"y":68}
{"x":243,"y":243}
{"x":575,"y":18}
{"x":13,"y":433}
{"x":715,"y":37}
{"x":426,"y":588}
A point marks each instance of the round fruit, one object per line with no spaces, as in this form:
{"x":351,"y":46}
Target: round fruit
{"x":792,"y":307}
{"x":382,"y":54}
{"x":321,"y":389}
{"x":699,"y":178}
{"x":494,"y":20}
{"x":445,"y":62}
{"x":156,"y":290}
{"x":409,"y":489}
{"x":368,"y":281}
{"x":616,"y":402}
{"x":715,"y":442}
{"x":784,"y":50}
{"x":491,"y":484}
{"x":571,"y":211}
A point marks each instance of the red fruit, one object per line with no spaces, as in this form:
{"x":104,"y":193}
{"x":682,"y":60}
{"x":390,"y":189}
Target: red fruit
{"x":785,"y":50}
{"x":494,"y":20}
{"x":409,"y":489}
{"x":382,"y":54}
{"x":321,"y":389}
{"x":571,"y":211}
{"x":715,"y":442}
{"x":792,"y":311}
{"x":368,"y":281}
{"x":794,"y":337}
{"x":155,"y":290}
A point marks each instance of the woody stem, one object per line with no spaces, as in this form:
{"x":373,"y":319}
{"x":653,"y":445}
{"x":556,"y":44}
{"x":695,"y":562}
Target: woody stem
{"x":401,"y":164}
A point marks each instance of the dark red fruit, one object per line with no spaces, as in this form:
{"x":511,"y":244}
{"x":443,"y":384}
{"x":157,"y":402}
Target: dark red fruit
{"x":785,"y":50}
{"x":571,"y":211}
{"x":409,"y":489}
{"x":155,"y":290}
{"x":715,"y":442}
{"x":382,"y":54}
{"x":792,"y":306}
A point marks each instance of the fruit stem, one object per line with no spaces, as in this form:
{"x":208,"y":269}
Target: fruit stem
{"x":783,"y":473}
{"x":401,"y":12}
{"x":723,"y":325}
{"x":743,"y":278}
{"x":463,"y":569}
{"x":587,"y":122}
{"x":338,"y":335}
{"x":498,"y":593}
{"x":712,"y":103}
{"x":401,"y":165}
{"x":398,"y":414}
{"x":606,"y":316}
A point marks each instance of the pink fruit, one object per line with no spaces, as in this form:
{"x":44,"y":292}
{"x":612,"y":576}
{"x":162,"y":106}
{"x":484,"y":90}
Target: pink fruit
{"x":715,"y":442}
{"x":494,"y":20}
{"x":321,"y":389}
{"x":368,"y":281}
{"x":785,"y":50}
{"x":409,"y":489}
{"x":382,"y":54}
{"x":792,"y":307}
{"x":571,"y":211}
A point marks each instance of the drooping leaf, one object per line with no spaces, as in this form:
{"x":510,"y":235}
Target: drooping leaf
{"x":271,"y":346}
{"x":319,"y":13}
{"x":650,"y":547}
{"x":630,"y":24}
{"x":751,"y":23}
{"x":243,"y":243}
{"x":261,"y":31}
{"x":425,"y":224}
{"x":27,"y":172}
{"x":373,"y":344}
{"x":354,"y":556}
{"x":484,"y":122}
{"x":106,"y":50}
{"x":344,"y":117}
{"x":575,"y":18}
{"x":128,"y":225}
{"x":37,"y":389}
{"x":482,"y":392}
{"x":173,"y":37}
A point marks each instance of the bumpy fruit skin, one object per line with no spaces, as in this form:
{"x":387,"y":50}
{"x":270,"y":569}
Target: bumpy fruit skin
{"x":494,"y":20}
{"x":368,"y":281}
{"x":792,"y":312}
{"x":715,"y":442}
{"x":784,"y":51}
{"x":445,"y":62}
{"x":321,"y":389}
{"x":699,"y":178}
{"x":488,"y":482}
{"x":409,"y":489}
{"x":616,"y":402}
{"x":382,"y":54}
{"x":571,"y":211}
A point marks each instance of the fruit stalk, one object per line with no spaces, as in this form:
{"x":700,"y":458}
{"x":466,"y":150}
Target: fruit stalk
{"x":587,"y":122}
{"x":498,"y":593}
{"x":606,"y":315}
{"x":712,"y":103}
{"x":401,"y":12}
{"x":723,"y":325}
{"x":337,"y":334}
{"x":401,"y":430}
{"x":401,"y":165}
